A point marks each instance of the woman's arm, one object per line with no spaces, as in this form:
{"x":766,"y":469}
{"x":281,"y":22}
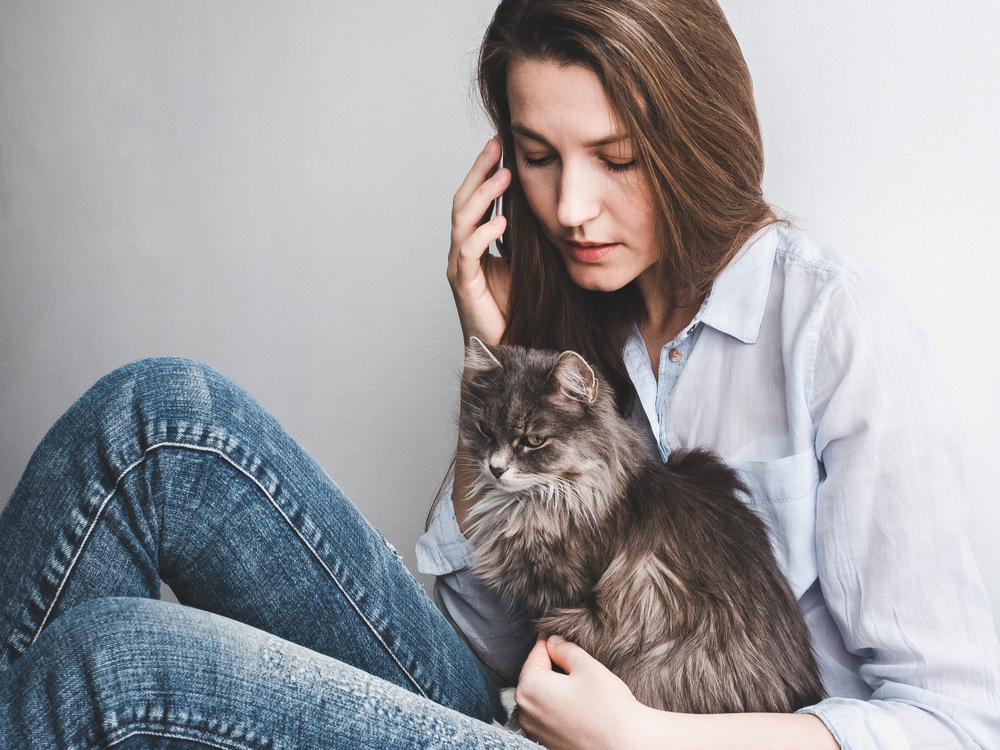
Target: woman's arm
{"x":895,"y":565}
{"x":480,"y":282}
{"x":589,"y":708}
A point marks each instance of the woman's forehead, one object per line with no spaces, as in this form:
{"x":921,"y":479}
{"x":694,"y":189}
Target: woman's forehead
{"x":551,"y":102}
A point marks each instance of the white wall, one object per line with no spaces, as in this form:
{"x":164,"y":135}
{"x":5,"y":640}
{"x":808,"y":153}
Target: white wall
{"x":266,"y":187}
{"x":262,"y":186}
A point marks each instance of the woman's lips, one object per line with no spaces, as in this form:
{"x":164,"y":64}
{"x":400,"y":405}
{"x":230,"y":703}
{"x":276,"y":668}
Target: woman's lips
{"x":589,"y":252}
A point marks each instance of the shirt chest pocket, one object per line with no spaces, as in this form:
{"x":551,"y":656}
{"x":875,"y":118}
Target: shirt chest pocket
{"x":783,"y":495}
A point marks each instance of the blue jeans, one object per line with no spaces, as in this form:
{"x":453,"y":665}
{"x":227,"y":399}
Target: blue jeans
{"x":302,"y":630}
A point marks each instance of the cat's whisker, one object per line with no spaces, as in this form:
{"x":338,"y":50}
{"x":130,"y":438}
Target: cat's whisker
{"x":472,"y":400}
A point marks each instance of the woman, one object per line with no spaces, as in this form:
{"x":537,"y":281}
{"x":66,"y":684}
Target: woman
{"x":636,"y":225}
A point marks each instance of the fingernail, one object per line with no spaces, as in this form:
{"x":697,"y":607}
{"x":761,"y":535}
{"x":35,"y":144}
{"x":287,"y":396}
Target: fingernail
{"x":555,"y":640}
{"x":487,"y":146}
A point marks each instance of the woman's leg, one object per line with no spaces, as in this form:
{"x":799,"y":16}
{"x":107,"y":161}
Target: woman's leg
{"x":137,"y":673}
{"x":166,"y":468}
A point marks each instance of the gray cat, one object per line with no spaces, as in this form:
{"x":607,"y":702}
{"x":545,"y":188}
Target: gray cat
{"x":658,"y":571}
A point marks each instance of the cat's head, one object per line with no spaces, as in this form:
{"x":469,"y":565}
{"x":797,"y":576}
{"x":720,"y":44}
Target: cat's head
{"x":540,"y":424}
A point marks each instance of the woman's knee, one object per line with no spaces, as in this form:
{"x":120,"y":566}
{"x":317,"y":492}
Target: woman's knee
{"x":167,"y":382}
{"x":156,"y":401}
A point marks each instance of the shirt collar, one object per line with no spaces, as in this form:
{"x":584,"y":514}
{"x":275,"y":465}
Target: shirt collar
{"x":735,"y":305}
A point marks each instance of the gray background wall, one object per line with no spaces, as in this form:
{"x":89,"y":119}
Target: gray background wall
{"x":266,"y":187}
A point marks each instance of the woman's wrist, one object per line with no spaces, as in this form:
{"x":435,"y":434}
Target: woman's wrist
{"x":662,"y":729}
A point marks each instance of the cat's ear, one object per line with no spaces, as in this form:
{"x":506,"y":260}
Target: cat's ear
{"x":575,"y":378}
{"x":478,"y":357}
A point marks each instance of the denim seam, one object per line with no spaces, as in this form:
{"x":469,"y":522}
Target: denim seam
{"x":177,"y":735}
{"x":274,"y":504}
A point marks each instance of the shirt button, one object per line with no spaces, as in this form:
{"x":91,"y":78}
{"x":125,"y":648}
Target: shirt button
{"x":676,"y":355}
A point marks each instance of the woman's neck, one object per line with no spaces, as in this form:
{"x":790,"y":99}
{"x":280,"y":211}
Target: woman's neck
{"x":664,"y":319}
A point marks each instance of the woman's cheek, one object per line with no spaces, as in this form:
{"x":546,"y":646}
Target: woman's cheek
{"x":542,"y":202}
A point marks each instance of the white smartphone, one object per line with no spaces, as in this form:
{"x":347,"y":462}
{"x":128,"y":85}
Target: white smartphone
{"x":503,"y":247}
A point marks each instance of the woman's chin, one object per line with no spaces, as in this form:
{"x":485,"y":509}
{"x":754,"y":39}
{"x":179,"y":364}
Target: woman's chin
{"x":596,"y":279}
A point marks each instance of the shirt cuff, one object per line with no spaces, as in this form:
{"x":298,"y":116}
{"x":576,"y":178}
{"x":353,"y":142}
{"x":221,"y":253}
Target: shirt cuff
{"x":859,"y":725}
{"x":443,"y":548}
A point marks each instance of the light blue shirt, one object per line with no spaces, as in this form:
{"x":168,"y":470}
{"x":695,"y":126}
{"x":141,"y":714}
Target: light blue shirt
{"x":808,"y":375}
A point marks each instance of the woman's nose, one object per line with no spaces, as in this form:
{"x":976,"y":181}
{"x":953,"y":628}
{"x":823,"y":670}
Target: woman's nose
{"x":579,"y":197}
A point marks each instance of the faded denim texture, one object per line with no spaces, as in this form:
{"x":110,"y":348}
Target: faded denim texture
{"x":302,"y":629}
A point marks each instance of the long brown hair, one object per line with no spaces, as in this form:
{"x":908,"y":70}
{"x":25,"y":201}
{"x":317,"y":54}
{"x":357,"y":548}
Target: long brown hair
{"x":676,"y":81}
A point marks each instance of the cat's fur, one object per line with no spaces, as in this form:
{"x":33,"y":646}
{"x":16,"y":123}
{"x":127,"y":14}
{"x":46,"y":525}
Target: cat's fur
{"x":658,"y":571}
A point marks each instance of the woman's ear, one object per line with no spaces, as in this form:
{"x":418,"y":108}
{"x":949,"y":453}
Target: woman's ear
{"x":574,"y":378}
{"x":479,"y":358}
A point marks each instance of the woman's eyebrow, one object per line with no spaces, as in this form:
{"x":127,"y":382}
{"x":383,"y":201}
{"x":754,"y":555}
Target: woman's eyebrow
{"x":606,"y":141}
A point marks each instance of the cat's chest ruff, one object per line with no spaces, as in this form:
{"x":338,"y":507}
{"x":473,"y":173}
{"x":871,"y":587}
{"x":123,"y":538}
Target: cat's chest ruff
{"x":541,"y":513}
{"x":542,"y":556}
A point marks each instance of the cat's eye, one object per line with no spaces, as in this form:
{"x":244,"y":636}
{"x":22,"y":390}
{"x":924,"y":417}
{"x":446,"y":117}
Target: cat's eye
{"x":533,"y":441}
{"x":481,"y":426}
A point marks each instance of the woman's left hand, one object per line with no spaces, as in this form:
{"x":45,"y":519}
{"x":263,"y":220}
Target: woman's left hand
{"x":588,"y":707}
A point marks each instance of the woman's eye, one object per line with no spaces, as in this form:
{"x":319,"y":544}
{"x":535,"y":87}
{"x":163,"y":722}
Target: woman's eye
{"x":619,"y":166}
{"x":533,"y":441}
{"x":481,"y":426}
{"x":540,"y":161}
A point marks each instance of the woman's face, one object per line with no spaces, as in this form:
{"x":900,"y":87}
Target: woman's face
{"x":579,"y":174}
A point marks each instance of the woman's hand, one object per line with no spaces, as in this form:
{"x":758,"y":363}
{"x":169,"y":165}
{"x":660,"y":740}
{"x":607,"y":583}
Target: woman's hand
{"x":588,"y":707}
{"x":479,"y":281}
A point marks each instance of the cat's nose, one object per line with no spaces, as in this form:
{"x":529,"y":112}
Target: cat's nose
{"x":497,"y":470}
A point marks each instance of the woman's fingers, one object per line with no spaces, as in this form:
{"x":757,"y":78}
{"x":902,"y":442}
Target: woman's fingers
{"x":479,"y":286}
{"x":538,"y":657}
{"x":567,"y":655}
{"x":587,"y":707}
{"x":469,"y":216}
{"x":467,"y":260}
{"x":479,"y":173}
{"x":477,"y":193}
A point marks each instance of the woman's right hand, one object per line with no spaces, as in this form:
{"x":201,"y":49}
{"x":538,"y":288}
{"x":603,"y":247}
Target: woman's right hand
{"x":479,"y":281}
